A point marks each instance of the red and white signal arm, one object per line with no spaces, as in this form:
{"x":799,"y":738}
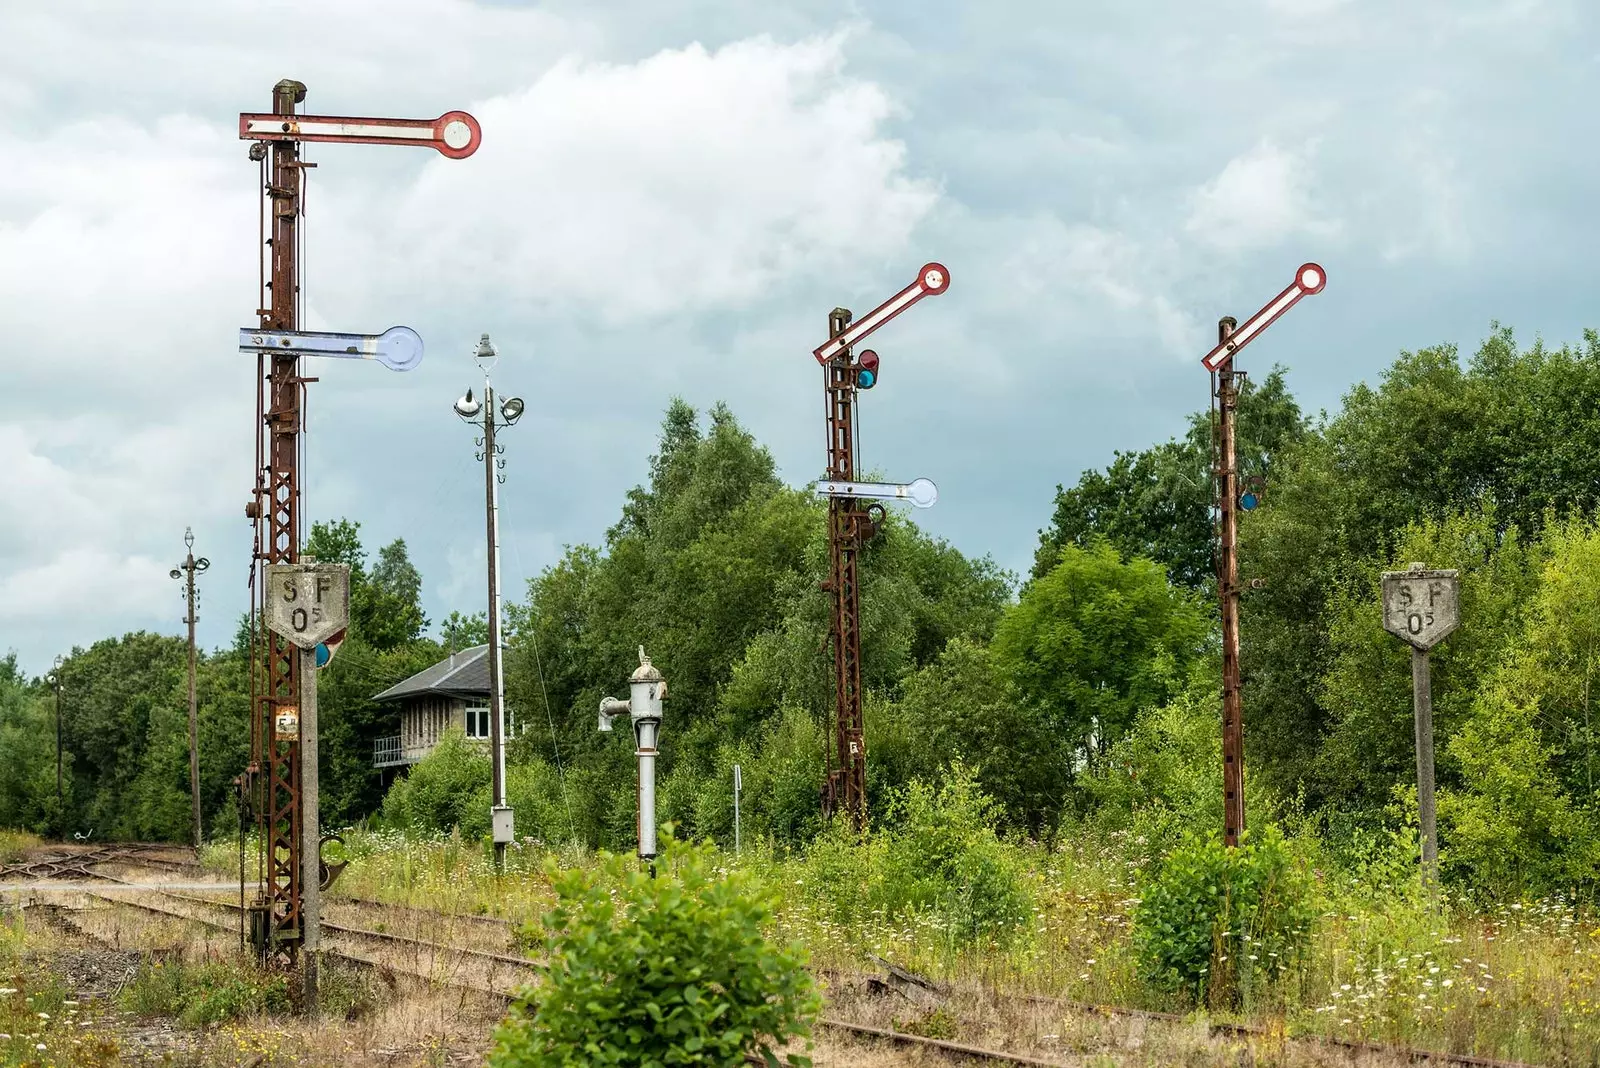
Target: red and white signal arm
{"x":932,"y":280}
{"x":455,"y":133}
{"x":1309,"y":279}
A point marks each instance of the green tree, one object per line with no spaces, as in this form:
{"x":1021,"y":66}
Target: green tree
{"x":1156,"y":503}
{"x":385,"y":603}
{"x":27,"y":755}
{"x":1520,"y":817}
{"x":1366,"y":691}
{"x":463,"y":632}
{"x":123,"y":712}
{"x":437,"y":794}
{"x":715,"y":566}
{"x":1510,"y":433}
{"x":961,"y":709}
{"x":391,"y":607}
{"x":1095,"y":640}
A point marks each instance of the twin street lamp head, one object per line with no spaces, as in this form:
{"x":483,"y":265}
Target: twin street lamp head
{"x":469,"y":407}
{"x":511,"y":408}
{"x":200,"y":562}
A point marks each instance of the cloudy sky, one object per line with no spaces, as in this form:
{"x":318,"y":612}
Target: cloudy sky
{"x":670,"y":198}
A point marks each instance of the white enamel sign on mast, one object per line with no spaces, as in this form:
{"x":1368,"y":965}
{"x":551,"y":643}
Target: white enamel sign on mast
{"x":921,"y":492}
{"x":398,"y":348}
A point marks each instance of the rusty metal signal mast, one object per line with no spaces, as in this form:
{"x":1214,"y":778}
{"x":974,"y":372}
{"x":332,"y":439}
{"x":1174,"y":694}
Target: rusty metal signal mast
{"x":273,"y":776}
{"x":850,"y":526}
{"x":1231,"y":337}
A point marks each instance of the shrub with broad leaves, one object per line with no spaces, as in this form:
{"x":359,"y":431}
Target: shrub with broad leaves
{"x":672,"y":970}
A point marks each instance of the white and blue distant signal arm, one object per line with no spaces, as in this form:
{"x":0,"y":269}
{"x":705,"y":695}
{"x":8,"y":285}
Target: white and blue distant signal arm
{"x":398,"y":348}
{"x":922,"y":493}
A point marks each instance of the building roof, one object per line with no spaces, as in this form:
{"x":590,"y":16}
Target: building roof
{"x":462,"y":674}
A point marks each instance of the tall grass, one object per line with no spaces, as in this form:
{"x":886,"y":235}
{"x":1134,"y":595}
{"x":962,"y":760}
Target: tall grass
{"x":14,"y":843}
{"x":1519,"y":981}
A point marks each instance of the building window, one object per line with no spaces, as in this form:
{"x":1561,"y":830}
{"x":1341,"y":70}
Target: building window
{"x":477,"y":723}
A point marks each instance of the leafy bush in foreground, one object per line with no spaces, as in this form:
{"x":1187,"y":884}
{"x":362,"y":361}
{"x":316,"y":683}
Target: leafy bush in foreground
{"x":1214,"y":919}
{"x":665,"y":971}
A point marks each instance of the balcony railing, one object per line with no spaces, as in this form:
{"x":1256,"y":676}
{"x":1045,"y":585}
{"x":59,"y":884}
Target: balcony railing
{"x":387,"y":753}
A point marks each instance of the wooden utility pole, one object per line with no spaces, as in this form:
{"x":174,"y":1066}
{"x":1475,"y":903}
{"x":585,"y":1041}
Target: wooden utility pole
{"x":61,"y":811}
{"x":187,"y":571}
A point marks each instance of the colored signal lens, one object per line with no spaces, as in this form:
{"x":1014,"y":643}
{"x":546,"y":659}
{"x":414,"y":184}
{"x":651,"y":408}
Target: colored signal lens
{"x":322,"y":654}
{"x":1248,"y":501}
{"x":867,"y":377}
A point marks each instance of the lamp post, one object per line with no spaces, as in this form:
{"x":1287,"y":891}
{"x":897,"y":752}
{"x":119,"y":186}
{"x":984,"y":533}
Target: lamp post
{"x":486,"y":415}
{"x":187,"y":571}
{"x":54,"y":678}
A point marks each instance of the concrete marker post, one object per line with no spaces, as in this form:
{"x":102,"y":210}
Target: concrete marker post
{"x":1421,"y":607}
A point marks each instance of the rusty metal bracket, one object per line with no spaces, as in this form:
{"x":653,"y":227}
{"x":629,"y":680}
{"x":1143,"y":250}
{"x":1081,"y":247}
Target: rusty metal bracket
{"x":329,"y":871}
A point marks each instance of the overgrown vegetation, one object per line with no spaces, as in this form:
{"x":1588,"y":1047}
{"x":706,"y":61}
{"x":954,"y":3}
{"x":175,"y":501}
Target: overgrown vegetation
{"x":1214,"y":922}
{"x":1039,"y":753}
{"x":207,"y":993}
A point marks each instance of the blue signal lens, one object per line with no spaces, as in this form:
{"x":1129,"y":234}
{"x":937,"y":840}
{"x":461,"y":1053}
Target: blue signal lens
{"x":1248,"y":501}
{"x":322,"y":654}
{"x":866,"y":379}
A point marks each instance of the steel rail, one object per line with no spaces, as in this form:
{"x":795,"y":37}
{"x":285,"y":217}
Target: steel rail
{"x":960,"y":1048}
{"x":340,"y":954}
{"x":1241,"y":1030}
{"x":355,"y":932}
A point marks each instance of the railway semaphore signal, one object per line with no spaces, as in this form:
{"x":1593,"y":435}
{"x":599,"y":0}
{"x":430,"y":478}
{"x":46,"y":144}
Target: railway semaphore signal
{"x":271,"y":783}
{"x":850,"y":526}
{"x":1308,"y":279}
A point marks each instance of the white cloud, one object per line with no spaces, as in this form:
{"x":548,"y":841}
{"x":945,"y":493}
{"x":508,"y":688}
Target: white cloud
{"x":1259,"y":199}
{"x":91,"y":501}
{"x":1085,"y":279}
{"x":691,"y":180}
{"x":1306,"y":9}
{"x":687,"y":181}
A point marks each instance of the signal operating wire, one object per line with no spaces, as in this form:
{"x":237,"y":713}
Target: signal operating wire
{"x":561,"y":771}
{"x":555,"y":744}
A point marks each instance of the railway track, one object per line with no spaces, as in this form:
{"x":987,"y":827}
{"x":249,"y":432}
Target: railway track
{"x":524,"y":969}
{"x":80,"y":864}
{"x":898,"y":977}
{"x":496,"y":922}
{"x":493,"y":962}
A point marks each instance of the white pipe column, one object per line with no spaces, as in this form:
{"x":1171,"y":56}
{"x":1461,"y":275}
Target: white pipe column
{"x":648,"y":689}
{"x":644,"y":732}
